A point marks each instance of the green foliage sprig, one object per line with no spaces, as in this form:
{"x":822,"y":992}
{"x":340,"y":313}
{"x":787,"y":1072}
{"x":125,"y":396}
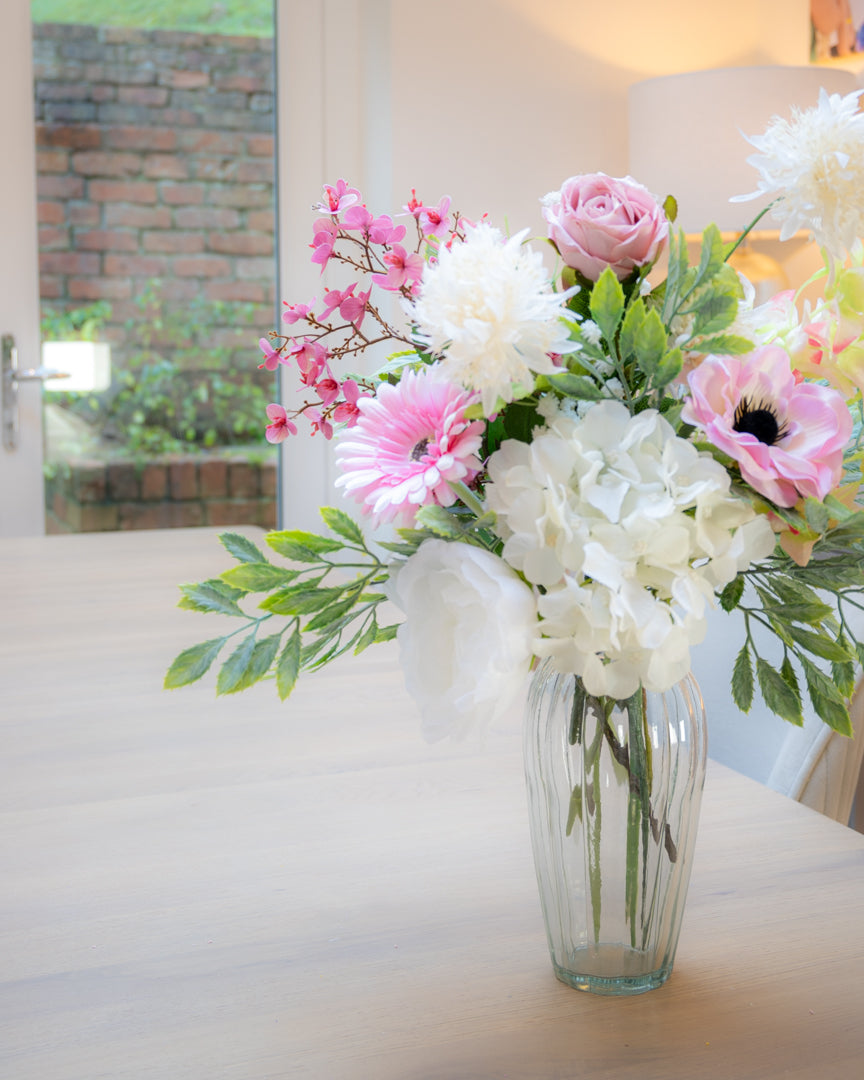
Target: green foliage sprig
{"x":325,"y":614}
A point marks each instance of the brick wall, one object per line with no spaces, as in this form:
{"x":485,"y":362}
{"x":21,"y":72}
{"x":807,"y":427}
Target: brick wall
{"x":155,"y":161}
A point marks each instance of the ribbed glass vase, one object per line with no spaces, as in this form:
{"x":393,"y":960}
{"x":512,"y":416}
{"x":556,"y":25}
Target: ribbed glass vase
{"x":614,"y":789}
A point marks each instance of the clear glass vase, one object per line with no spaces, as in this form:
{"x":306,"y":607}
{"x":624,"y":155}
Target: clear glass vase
{"x":614,"y":789}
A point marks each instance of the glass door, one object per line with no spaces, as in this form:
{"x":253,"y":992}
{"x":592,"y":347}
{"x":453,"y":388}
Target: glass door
{"x":156,"y":208}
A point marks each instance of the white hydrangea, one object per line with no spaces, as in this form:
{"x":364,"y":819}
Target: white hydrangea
{"x":629,"y":530}
{"x":815,"y":163}
{"x":488,"y":310}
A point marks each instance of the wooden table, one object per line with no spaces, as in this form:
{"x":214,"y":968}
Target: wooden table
{"x":232,"y":889}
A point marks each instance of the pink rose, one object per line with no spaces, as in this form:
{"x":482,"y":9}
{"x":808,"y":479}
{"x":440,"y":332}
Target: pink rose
{"x":597,"y":221}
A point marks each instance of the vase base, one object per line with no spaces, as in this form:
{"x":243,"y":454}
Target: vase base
{"x":612,"y":970}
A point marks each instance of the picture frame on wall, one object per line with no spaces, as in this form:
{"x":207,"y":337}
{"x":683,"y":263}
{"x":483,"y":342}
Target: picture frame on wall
{"x":837,"y":28}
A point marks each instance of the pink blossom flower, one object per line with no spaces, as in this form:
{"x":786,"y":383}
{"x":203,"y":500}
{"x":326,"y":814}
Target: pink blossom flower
{"x":310,"y":357}
{"x":402,"y":269}
{"x":295,"y":312}
{"x":597,"y":221}
{"x":410,"y":443}
{"x":414,"y":205}
{"x":347,"y":411}
{"x":383,"y":231}
{"x":320,"y":423}
{"x":338,"y":198}
{"x":280,"y":427}
{"x":324,"y":236}
{"x":434,"y":220}
{"x":272,"y":357}
{"x":787,"y":437}
{"x":327,"y":390}
{"x":352,"y":308}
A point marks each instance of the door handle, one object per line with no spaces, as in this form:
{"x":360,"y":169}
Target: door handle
{"x":12,"y":375}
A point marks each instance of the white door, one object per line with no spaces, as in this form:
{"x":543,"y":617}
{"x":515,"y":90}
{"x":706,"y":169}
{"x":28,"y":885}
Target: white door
{"x":21,"y":495}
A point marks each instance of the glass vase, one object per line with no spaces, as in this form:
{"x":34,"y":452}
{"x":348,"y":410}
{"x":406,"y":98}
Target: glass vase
{"x":614,"y":789}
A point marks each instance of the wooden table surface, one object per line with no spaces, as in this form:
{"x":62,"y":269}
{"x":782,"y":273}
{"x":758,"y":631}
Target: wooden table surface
{"x":233,"y":889}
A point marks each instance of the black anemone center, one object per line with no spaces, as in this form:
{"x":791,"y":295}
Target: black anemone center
{"x":419,"y":450}
{"x":759,"y":419}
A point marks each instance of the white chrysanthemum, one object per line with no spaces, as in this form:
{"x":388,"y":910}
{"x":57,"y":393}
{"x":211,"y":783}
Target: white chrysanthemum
{"x":488,"y":309}
{"x":815,"y":163}
{"x":629,"y":529}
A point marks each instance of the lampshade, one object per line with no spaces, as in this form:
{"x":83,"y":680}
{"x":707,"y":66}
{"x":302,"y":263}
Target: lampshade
{"x":687,"y":134}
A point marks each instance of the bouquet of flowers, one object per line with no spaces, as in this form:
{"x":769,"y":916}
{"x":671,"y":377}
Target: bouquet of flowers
{"x":578,"y":464}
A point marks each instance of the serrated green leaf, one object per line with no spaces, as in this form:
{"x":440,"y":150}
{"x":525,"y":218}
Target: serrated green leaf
{"x":607,"y":303}
{"x":341,"y":523}
{"x":818,"y":516}
{"x":288,"y":666}
{"x":819,"y":644}
{"x":578,"y":386}
{"x":668,"y":369}
{"x":711,"y":257}
{"x":826,"y":698}
{"x":731,"y":595}
{"x":212,"y":596}
{"x":788,"y":673}
{"x":231,"y":673}
{"x":742,"y":680}
{"x":725,"y":345}
{"x":397,"y":548}
{"x":328,"y":615}
{"x":712,"y":312}
{"x":258,"y":576}
{"x":386,"y":633}
{"x":368,"y":637}
{"x":634,"y":317}
{"x":241,"y":548}
{"x":791,"y":591}
{"x":301,"y":546}
{"x":440,"y":522}
{"x":839,"y":510}
{"x":844,"y":676}
{"x":675,"y":273}
{"x":778,"y":694}
{"x":192,"y":663}
{"x":301,"y":599}
{"x":650,"y":343}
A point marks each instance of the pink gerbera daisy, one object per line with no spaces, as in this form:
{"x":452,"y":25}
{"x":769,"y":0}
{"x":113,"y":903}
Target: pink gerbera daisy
{"x":410,"y":442}
{"x":787,"y":437}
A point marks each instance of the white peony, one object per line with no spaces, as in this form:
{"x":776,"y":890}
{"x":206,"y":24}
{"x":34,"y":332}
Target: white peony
{"x":629,"y":530}
{"x":815,"y":164}
{"x":466,"y":644}
{"x":488,"y":309}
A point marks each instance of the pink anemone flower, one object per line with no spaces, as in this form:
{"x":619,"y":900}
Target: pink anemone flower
{"x":788,"y":437}
{"x":410,"y":442}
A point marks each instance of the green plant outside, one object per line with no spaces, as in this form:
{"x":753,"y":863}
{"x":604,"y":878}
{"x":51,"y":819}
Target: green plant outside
{"x":172,"y":393}
{"x":252,"y":18}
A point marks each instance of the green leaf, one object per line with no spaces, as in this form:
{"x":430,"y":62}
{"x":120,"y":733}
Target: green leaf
{"x":634,"y":317}
{"x":578,"y":386}
{"x":386,"y":633}
{"x":787,"y":670}
{"x":607,"y":304}
{"x":818,"y":516}
{"x":844,"y":675}
{"x":676,"y":272}
{"x":242,"y":549}
{"x":650,"y":343}
{"x":233,"y":671}
{"x":670,"y":208}
{"x":778,"y":694}
{"x":440,"y":522}
{"x":669,"y":368}
{"x":192,"y":663}
{"x":330,"y":614}
{"x":258,"y":576}
{"x":839,"y":510}
{"x":791,"y":591}
{"x":288,"y":667}
{"x":211,"y":596}
{"x":725,"y":345}
{"x":301,"y":599}
{"x":713,"y":312}
{"x":742,"y":680}
{"x":820,"y":644}
{"x":341,"y":523}
{"x":731,"y":595}
{"x":826,"y":699}
{"x":368,"y":637}
{"x":301,"y":546}
{"x":712,"y":256}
